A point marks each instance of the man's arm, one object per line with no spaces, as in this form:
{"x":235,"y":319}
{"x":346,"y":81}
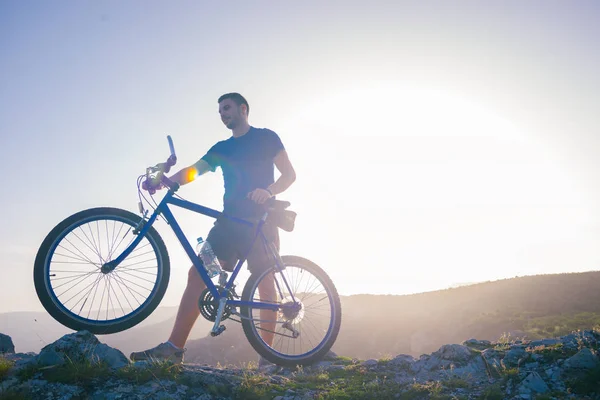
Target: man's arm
{"x":288,"y":175}
{"x":188,"y":174}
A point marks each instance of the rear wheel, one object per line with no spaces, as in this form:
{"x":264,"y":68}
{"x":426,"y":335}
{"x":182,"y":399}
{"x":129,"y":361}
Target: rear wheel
{"x":308,"y":322}
{"x":74,"y":289}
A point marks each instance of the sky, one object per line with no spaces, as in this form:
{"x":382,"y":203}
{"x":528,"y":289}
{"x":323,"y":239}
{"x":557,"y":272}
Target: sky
{"x":435,"y":143}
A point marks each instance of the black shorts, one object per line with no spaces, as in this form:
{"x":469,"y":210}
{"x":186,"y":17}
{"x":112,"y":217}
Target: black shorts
{"x":231,"y":240}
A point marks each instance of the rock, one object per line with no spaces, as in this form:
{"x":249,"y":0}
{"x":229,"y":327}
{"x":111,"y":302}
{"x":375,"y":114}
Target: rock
{"x":533,"y":383}
{"x":6,"y":344}
{"x":515,"y":356}
{"x":543,"y":342}
{"x":402,"y":361}
{"x":459,"y":370}
{"x":570,"y":341}
{"x":474,"y":369}
{"x":20,"y":360}
{"x":455,"y":352}
{"x":322,"y":364}
{"x":370,"y":362}
{"x":80,"y":346}
{"x":477,"y":344}
{"x":584,"y":359}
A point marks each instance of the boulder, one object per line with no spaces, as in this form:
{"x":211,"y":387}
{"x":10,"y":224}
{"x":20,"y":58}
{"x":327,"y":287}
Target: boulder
{"x":533,"y":383}
{"x":584,"y":359}
{"x":515,"y":356}
{"x":402,"y":361}
{"x":455,"y":352}
{"x":80,"y":346}
{"x":477,"y":344}
{"x":6,"y":344}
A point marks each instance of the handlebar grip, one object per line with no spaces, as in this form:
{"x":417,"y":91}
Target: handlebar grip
{"x":171,"y":147}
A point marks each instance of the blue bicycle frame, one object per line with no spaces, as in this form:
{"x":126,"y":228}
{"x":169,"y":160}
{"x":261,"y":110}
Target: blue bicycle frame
{"x":163,"y":208}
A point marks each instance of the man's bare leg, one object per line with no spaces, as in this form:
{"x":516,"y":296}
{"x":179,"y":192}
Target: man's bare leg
{"x":188,"y":311}
{"x":266,"y":289}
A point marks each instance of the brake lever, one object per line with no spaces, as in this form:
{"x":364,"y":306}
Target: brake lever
{"x":161,"y":167}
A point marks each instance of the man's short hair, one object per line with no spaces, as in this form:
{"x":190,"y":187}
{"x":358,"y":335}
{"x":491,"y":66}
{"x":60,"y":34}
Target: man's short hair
{"x":237,"y":98}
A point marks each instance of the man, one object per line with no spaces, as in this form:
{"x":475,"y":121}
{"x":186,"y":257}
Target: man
{"x":247,"y":160}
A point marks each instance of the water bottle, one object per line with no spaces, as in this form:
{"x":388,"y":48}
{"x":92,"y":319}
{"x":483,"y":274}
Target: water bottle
{"x":208,"y":257}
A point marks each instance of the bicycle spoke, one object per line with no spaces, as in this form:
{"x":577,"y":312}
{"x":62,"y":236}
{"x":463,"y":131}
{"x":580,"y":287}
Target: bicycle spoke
{"x":129,"y":274}
{"x":69,"y":271}
{"x":113,"y":245}
{"x":101,"y":300}
{"x":87,"y":295}
{"x":124,"y":295}
{"x":76,"y":248}
{"x":137,"y":270}
{"x":123,"y":279}
{"x":83,"y":261}
{"x":94,"y":297}
{"x":74,"y":279}
{"x":75,"y":294}
{"x":79,"y":279}
{"x":151,"y":251}
{"x":137,"y":263}
{"x":89,"y":244}
{"x":131,"y":291}
{"x":123,"y":238}
{"x":54,"y":279}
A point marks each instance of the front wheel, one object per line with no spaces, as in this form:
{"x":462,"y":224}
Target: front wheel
{"x":309,"y":316}
{"x":75,"y":289}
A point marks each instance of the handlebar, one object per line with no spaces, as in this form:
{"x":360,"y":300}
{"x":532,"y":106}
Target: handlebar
{"x":152,"y":183}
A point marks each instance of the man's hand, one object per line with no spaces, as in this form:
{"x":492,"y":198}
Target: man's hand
{"x":259,"y":196}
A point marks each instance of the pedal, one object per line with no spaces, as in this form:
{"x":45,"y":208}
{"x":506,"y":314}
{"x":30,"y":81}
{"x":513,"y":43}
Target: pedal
{"x":218,"y":331}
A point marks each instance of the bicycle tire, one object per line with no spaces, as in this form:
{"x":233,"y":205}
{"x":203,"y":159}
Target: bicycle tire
{"x":289,"y":356}
{"x":61,"y":238}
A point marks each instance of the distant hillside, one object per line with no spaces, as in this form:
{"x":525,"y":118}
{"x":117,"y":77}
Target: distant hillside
{"x":420,"y":323}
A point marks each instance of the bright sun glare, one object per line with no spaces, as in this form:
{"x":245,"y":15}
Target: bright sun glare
{"x":430,"y":179}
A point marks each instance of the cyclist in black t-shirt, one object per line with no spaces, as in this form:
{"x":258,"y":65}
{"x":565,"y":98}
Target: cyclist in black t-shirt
{"x":247,"y":160}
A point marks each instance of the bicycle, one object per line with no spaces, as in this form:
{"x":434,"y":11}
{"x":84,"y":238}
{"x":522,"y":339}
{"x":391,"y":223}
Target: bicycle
{"x":307,"y":311}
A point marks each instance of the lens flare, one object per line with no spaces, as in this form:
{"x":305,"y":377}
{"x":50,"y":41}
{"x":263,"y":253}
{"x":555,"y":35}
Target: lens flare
{"x":191,"y":174}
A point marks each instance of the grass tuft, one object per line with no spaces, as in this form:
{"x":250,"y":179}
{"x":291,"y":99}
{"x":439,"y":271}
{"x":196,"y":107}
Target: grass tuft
{"x":153,"y":370}
{"x":5,"y":367}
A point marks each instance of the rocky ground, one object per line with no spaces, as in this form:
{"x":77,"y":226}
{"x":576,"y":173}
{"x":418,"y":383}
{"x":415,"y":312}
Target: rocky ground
{"x":78,"y":366}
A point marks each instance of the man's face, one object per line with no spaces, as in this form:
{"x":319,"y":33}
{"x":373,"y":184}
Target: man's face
{"x":231,"y":113}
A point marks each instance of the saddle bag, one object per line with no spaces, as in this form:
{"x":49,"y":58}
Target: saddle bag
{"x":284,"y":219}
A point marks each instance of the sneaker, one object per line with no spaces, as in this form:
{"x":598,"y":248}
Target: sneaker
{"x":264,"y":364}
{"x":162,"y":352}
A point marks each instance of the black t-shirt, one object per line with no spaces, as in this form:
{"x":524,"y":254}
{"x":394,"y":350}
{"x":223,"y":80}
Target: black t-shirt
{"x":247,"y":164}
